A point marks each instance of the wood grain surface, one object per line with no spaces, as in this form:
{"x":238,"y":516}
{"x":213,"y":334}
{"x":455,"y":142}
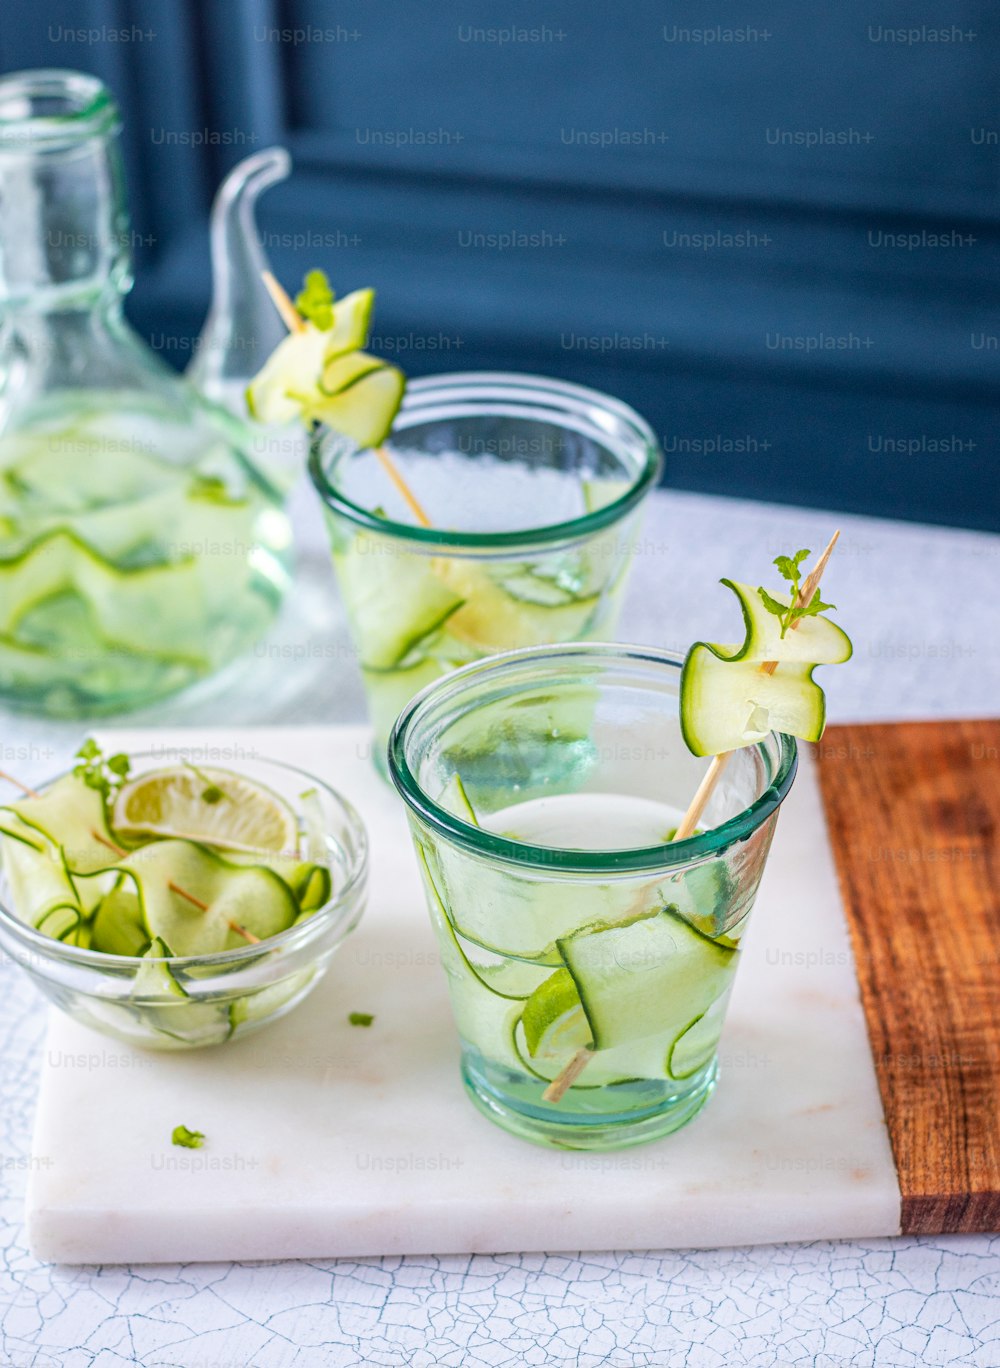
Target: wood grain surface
{"x":914,"y":816}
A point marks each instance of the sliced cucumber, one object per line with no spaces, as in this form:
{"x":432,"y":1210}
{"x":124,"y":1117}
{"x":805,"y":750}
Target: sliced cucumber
{"x":340,"y":372}
{"x":598,"y":494}
{"x":442,"y":919}
{"x":392,"y":598}
{"x":72,"y":817}
{"x":814,"y":641}
{"x":293,"y":367}
{"x":697,"y":1043}
{"x":351,"y":318}
{"x":128,"y":604}
{"x":266,"y":1002}
{"x":153,"y":978}
{"x":650,"y":976}
{"x":59,"y":923}
{"x":365,"y":408}
{"x":490,"y":620}
{"x":528,"y":585}
{"x":118,"y":926}
{"x":251,"y":897}
{"x":727,"y":701}
{"x":455,"y":800}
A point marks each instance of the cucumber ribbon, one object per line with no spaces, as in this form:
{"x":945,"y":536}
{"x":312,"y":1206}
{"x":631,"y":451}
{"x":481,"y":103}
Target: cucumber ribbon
{"x":727,"y":701}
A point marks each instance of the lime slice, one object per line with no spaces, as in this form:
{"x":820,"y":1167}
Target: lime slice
{"x":554,"y":1023}
{"x":214,"y":806}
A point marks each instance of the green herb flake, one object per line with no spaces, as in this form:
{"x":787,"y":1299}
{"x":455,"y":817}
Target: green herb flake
{"x":212,"y":794}
{"x":315,"y":300}
{"x":187,"y":1139}
{"x":360,"y":1018}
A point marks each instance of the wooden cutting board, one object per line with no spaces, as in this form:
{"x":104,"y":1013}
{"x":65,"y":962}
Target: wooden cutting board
{"x":914,"y":816}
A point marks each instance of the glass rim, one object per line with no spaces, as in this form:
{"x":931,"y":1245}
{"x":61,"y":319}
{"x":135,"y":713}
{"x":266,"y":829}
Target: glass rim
{"x":634,"y":859}
{"x":48,"y":948}
{"x":90,"y":108}
{"x":453,"y":386}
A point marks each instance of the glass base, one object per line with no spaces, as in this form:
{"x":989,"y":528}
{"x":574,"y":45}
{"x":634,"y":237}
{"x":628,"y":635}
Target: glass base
{"x":542,"y":1124}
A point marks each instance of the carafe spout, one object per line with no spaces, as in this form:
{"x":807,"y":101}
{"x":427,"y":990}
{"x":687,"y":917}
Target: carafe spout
{"x":242,"y":328}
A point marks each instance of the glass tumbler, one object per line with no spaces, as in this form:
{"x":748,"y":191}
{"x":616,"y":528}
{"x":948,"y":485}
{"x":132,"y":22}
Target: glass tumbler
{"x":532,"y":489}
{"x":589,"y":957}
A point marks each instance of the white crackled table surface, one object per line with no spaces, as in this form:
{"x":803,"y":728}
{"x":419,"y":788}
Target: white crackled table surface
{"x":920,"y":651}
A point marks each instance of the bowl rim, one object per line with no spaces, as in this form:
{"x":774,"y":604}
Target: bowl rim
{"x":294,"y":936}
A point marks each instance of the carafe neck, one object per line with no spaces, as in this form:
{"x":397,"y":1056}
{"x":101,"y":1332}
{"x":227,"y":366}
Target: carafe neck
{"x":64,"y":236}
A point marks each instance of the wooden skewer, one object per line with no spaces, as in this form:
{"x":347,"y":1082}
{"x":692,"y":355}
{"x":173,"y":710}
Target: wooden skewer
{"x":392,"y":470}
{"x":32,"y":793}
{"x":295,"y":323}
{"x":290,"y":315}
{"x":557,"y":1088}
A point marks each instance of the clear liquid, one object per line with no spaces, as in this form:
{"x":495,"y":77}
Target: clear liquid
{"x":654,"y":970}
{"x":138,"y":553}
{"x":587,"y":821}
{"x":414,"y":617}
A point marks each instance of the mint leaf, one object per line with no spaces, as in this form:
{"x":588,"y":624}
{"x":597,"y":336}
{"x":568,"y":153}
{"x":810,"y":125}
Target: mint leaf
{"x":189,"y":1139}
{"x":360,"y":1018}
{"x":813,"y":607}
{"x":315,"y":300}
{"x":788,"y":566}
{"x":771,"y":604}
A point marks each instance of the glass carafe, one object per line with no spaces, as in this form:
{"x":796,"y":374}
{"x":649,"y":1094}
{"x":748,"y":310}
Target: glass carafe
{"x":140,"y":545}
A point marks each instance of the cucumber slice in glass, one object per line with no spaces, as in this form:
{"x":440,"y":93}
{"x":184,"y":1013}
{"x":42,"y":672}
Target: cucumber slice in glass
{"x":490,"y":620}
{"x":393,"y":600}
{"x":456,"y":801}
{"x":697,"y":1043}
{"x":598,"y":494}
{"x":647,"y":977}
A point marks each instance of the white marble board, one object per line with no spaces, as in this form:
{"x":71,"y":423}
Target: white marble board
{"x":331,"y":1140}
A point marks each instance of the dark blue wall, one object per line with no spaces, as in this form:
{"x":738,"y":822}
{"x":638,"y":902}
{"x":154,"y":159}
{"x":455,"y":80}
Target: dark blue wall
{"x":772,"y":228}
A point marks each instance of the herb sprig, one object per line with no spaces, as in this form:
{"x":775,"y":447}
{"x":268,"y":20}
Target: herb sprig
{"x":315,"y":300}
{"x":790,"y":569}
{"x":105,"y":773}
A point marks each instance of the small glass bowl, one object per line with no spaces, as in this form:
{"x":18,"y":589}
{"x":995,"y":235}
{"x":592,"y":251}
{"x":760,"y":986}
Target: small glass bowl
{"x":225,"y":995}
